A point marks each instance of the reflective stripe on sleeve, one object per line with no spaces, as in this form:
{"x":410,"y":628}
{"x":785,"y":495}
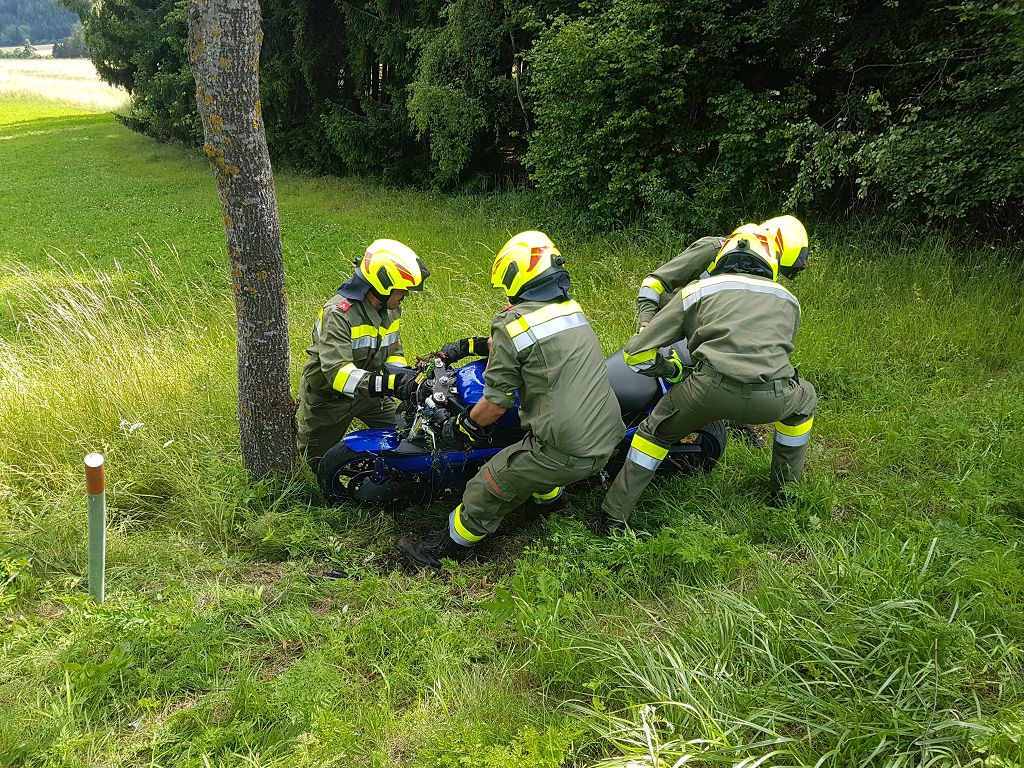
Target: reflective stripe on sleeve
{"x":397,"y":360}
{"x":546,"y":321}
{"x":348,"y":379}
{"x":793,"y":435}
{"x":389,"y":335}
{"x":651,"y":288}
{"x":641,"y":361}
{"x":700,"y":289}
{"x":459,"y":533}
{"x":645,"y":453}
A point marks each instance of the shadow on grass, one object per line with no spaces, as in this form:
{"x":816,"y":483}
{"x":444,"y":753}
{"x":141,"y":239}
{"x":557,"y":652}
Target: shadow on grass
{"x":52,"y":124}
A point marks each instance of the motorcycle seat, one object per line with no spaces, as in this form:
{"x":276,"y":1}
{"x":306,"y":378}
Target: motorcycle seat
{"x":634,"y":391}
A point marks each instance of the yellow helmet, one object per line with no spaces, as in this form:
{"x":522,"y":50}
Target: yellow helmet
{"x":791,"y":243}
{"x":750,"y":249}
{"x":523,"y":259}
{"x":389,"y":265}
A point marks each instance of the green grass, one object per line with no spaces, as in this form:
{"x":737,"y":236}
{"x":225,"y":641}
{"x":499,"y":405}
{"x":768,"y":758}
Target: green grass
{"x":876,"y":621}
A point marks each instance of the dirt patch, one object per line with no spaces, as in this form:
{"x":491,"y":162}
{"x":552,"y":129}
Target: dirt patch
{"x":262,"y":573}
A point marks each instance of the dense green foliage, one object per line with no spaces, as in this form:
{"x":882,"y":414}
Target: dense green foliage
{"x":691,"y":108}
{"x":702,"y":112}
{"x":694,"y":110}
{"x":39,"y":21}
{"x":876,"y":620}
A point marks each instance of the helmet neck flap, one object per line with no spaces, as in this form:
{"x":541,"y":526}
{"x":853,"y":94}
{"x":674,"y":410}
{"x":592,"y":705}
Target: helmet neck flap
{"x":554,"y":285}
{"x":743,"y":262}
{"x":356,"y":287}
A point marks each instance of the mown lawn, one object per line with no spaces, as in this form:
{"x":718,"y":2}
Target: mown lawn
{"x":876,"y":621}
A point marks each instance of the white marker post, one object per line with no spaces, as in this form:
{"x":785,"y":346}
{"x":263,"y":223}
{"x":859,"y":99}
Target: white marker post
{"x":95,"y":484}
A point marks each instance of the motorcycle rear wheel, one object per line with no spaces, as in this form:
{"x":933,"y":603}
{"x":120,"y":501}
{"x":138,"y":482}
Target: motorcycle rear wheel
{"x":699,"y":453}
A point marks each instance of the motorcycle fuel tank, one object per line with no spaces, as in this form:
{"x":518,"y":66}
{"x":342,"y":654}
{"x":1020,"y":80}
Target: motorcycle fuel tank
{"x":470,"y":382}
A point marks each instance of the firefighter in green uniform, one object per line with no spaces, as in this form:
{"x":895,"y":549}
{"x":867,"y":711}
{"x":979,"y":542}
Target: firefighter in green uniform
{"x":355,"y":358}
{"x":663,"y":283}
{"x":740,"y":325}
{"x":543,"y":348}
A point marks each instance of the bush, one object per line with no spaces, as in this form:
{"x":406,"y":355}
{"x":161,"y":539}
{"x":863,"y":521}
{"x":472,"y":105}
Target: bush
{"x":73,"y":46}
{"x":27,"y":51}
{"x":702,"y":113}
{"x":927,"y":124}
{"x":652,"y":107}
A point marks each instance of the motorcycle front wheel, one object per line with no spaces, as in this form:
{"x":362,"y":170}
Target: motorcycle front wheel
{"x":348,"y":476}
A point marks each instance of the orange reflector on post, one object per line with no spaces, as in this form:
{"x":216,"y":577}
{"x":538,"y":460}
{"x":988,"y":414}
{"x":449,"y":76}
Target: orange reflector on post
{"x":95,"y":482}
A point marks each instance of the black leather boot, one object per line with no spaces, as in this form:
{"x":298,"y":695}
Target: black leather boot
{"x":561,"y":504}
{"x":428,"y":554}
{"x":607,"y":525}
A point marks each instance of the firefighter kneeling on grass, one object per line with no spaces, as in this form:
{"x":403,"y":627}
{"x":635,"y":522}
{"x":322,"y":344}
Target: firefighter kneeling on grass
{"x":740,"y":325}
{"x":543,"y":347}
{"x":355,"y":356}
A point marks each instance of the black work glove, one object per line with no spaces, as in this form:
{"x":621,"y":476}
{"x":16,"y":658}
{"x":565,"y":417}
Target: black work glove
{"x":454,"y":351}
{"x":463,"y":430}
{"x":402,"y":385}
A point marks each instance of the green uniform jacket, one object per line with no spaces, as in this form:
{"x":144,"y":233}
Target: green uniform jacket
{"x":661,"y":285}
{"x":740,"y":325}
{"x":549,"y":353}
{"x":350,"y":340}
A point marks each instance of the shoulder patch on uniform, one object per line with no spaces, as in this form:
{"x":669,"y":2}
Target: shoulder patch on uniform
{"x":344,"y":306}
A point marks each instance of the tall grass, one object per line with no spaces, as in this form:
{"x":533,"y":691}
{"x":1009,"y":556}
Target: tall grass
{"x":873,"y":651}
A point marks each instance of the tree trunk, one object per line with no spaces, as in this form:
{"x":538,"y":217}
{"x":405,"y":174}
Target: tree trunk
{"x":224,"y":50}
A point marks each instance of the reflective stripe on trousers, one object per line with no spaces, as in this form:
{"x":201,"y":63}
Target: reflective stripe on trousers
{"x":645,"y":453}
{"x":798,"y":434}
{"x":459,"y":533}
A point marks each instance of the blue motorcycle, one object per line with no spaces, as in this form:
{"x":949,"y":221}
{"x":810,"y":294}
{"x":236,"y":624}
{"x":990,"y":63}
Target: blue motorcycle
{"x":412,"y":464}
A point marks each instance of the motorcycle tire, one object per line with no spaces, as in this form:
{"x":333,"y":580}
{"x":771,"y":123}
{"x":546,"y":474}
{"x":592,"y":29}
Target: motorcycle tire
{"x":687,"y":458}
{"x":699,"y":456}
{"x":347,"y":476}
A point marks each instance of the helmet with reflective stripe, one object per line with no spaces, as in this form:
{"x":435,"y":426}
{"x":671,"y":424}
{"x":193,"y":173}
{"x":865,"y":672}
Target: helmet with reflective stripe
{"x":389,"y":265}
{"x":522,"y":260}
{"x":750,"y":249}
{"x":791,"y":243}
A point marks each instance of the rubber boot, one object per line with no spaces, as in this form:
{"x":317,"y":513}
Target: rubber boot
{"x":429,"y":554}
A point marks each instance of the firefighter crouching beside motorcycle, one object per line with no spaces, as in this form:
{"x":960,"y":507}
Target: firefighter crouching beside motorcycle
{"x":739,"y":324}
{"x":658,"y":288}
{"x":355,"y":357}
{"x":543,"y":347}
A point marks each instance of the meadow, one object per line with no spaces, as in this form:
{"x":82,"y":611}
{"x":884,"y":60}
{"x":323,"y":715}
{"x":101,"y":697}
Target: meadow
{"x":875,"y":621}
{"x":57,"y":81}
